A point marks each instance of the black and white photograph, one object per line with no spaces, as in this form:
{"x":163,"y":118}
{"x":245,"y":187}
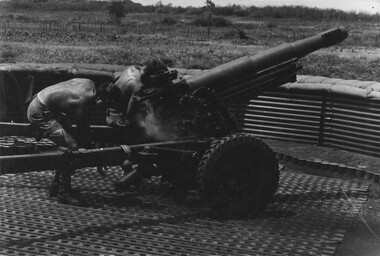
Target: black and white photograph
{"x":189,"y":127}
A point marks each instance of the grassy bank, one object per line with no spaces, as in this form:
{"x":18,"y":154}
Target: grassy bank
{"x":175,"y":52}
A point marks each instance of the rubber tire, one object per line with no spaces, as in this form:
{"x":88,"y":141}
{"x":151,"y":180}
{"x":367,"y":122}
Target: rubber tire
{"x":238,"y":176}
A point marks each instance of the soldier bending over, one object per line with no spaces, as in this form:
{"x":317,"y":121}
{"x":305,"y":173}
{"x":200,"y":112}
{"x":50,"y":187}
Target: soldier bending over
{"x":50,"y":112}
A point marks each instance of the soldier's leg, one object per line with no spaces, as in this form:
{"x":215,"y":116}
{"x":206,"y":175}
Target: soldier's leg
{"x":54,"y":185}
{"x":60,"y":186}
{"x":66,"y":194}
{"x":114,"y":116}
{"x":62,"y":182}
{"x":61,"y":134}
{"x":62,"y":137}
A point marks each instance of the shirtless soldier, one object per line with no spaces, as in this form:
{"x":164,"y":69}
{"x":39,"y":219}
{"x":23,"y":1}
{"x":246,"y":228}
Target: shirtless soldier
{"x":122,"y":107}
{"x":123,"y":110}
{"x":50,"y":112}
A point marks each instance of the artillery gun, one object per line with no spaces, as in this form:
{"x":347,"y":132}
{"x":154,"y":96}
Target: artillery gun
{"x":233,"y":173}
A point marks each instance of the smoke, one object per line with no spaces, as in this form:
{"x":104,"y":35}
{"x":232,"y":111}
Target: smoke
{"x":157,"y":125}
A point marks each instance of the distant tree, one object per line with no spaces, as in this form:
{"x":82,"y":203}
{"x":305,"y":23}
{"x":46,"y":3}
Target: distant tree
{"x":21,"y":4}
{"x":117,"y":10}
{"x":210,"y":4}
{"x":159,"y":4}
{"x":162,"y":10}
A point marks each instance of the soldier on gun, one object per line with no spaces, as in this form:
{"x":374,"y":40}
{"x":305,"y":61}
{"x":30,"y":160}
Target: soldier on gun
{"x":50,"y":112}
{"x":122,"y":107}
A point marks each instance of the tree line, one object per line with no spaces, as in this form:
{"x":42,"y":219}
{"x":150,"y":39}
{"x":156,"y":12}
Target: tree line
{"x":127,"y":6}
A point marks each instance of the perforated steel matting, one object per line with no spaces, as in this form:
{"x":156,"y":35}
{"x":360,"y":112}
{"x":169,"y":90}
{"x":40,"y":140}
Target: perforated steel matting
{"x":309,"y":216}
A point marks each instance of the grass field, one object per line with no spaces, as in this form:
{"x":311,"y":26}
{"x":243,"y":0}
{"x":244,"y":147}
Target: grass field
{"x":182,"y":46}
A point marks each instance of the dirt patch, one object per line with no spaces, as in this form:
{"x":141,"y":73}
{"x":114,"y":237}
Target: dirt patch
{"x":326,"y":154}
{"x":363,"y":237}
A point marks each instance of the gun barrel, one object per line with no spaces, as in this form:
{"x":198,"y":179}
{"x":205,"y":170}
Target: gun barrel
{"x":246,"y":68}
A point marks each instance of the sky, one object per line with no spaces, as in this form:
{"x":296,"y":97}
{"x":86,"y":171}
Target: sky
{"x":368,"y":6}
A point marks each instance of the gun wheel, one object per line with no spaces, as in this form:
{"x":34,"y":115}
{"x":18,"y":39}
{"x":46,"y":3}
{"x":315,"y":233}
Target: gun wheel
{"x":238,"y":175}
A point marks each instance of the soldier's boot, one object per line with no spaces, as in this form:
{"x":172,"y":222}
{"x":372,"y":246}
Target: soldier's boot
{"x":67,"y":195}
{"x":115,"y":118}
{"x":54,"y":185}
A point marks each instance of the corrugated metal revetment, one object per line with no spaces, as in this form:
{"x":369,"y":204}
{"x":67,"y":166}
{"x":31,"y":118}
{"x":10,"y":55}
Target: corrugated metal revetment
{"x":282,"y":116}
{"x":353,"y":124}
{"x":320,"y":117}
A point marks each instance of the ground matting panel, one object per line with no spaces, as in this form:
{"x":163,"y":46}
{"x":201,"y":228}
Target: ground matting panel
{"x":309,"y":216}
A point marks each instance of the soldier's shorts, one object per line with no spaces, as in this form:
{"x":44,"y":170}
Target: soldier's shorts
{"x":46,"y":122}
